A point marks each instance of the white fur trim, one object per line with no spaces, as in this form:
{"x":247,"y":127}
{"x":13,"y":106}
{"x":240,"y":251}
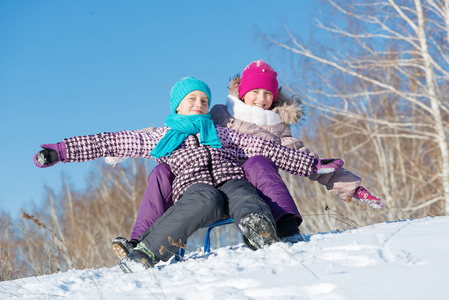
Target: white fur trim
{"x":251,"y":114}
{"x":113,"y":161}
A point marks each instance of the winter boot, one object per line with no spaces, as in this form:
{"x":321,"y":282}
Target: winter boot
{"x":141,"y":258}
{"x":288,"y":230}
{"x":122,"y":247}
{"x":258,"y":231}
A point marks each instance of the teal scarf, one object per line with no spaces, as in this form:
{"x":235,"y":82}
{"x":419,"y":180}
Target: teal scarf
{"x":181,"y":126}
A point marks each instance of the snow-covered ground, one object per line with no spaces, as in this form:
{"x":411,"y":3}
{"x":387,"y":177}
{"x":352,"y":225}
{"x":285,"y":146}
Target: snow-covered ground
{"x":401,"y":260}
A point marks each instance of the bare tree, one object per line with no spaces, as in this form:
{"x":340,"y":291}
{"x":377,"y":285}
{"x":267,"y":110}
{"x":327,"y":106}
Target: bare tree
{"x":382,"y":82}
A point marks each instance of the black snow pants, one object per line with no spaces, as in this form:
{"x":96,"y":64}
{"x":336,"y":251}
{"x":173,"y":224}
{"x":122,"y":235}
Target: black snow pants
{"x":201,"y":205}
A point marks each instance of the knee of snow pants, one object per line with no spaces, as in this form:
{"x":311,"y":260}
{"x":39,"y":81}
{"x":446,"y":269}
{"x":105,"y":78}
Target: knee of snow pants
{"x":264,"y":175}
{"x":243,"y":198}
{"x":156,"y":199}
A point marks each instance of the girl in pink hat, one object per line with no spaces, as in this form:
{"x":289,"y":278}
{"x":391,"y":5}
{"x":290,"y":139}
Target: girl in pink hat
{"x":256,"y":106}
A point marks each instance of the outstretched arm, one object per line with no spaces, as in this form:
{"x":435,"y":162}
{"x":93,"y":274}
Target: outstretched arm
{"x":84,"y":148}
{"x":293,"y":161}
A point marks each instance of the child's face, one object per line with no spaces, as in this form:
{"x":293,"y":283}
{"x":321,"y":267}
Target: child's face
{"x":194,"y":103}
{"x":259,"y":98}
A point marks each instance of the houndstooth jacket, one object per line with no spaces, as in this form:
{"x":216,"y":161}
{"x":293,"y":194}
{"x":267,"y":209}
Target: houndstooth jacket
{"x":191,"y":162}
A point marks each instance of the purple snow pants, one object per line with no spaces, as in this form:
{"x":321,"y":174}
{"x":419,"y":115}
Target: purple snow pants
{"x":260,"y":171}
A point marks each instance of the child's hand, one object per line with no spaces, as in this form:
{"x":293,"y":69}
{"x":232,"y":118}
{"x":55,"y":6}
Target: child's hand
{"x":363,"y":195}
{"x":325,"y":166}
{"x":51,"y":155}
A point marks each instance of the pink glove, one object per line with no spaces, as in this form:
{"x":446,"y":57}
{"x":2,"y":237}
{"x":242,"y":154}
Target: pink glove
{"x":363,"y":195}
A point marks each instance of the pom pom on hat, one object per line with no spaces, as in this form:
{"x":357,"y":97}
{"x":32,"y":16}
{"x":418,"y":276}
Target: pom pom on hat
{"x":184,"y":86}
{"x":258,"y":75}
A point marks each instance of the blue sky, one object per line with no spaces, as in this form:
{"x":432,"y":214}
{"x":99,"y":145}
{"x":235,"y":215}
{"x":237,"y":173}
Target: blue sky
{"x":87,"y":66}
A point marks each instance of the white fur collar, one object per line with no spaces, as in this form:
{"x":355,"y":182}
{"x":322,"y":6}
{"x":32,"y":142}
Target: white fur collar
{"x":251,"y":114}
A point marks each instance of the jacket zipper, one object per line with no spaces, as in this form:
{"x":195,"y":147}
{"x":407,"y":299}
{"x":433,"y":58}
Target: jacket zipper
{"x":209,"y":160}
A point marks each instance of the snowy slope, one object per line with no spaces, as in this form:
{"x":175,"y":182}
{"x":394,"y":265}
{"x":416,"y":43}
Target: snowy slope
{"x":402,"y":260}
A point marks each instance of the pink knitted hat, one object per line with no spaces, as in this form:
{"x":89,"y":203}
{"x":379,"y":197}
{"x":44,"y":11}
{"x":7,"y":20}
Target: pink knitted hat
{"x":258,"y":75}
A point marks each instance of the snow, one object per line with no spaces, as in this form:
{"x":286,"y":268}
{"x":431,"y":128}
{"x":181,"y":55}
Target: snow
{"x":400,"y":260}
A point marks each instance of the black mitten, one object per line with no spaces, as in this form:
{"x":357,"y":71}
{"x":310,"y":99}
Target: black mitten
{"x":46,"y":158}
